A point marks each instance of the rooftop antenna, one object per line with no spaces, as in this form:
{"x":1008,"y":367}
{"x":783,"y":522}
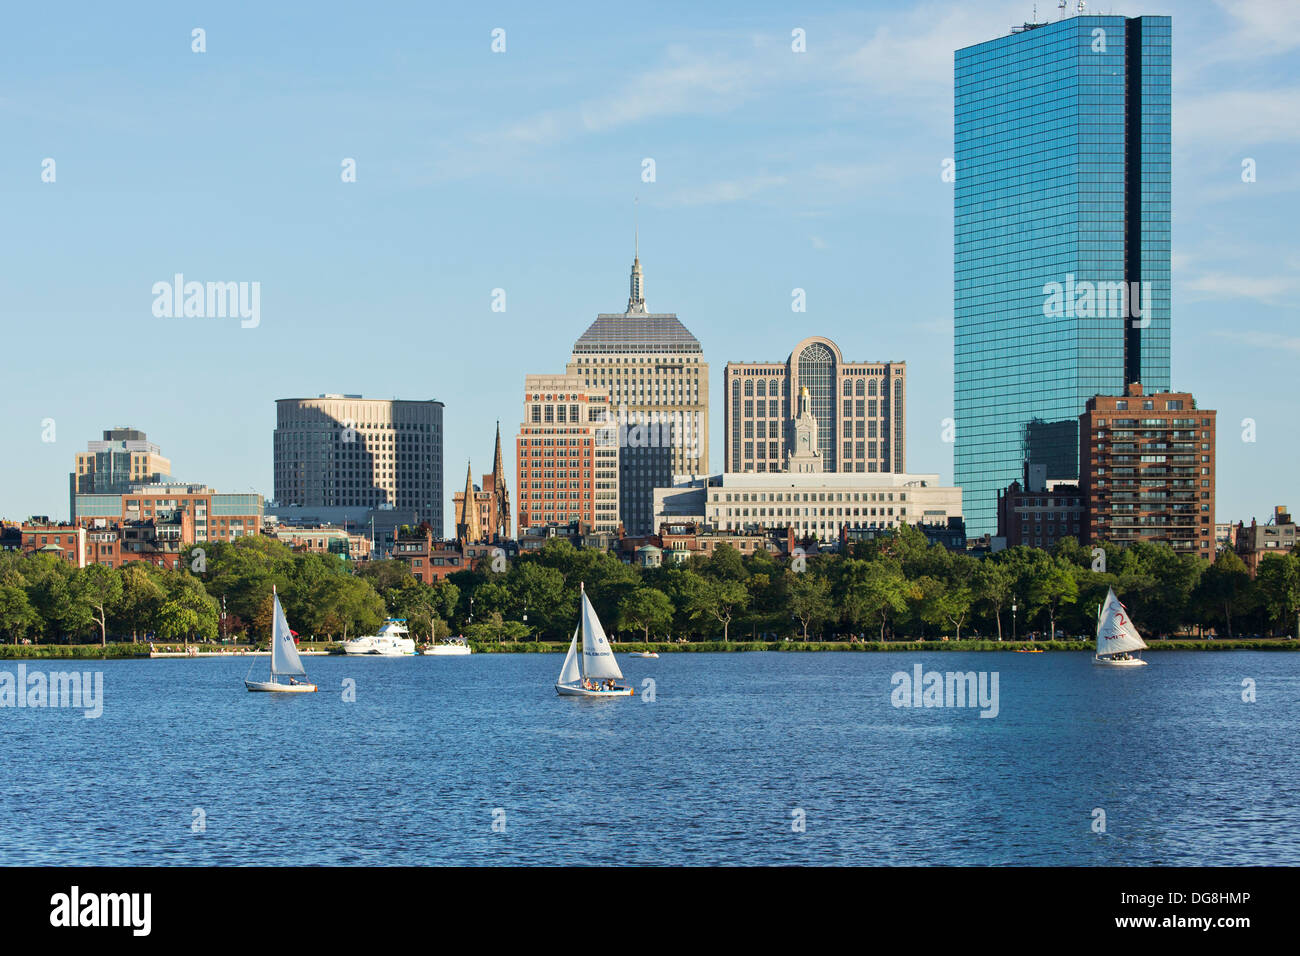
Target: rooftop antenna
{"x":1082,"y":6}
{"x":1061,"y":8}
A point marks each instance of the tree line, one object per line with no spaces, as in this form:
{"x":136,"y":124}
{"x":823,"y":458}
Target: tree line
{"x":895,"y":587}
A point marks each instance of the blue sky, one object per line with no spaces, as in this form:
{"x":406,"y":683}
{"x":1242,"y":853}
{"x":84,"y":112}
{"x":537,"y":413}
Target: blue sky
{"x":517,"y":170}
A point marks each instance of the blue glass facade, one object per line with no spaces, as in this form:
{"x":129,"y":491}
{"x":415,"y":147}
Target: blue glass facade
{"x":1061,"y":240}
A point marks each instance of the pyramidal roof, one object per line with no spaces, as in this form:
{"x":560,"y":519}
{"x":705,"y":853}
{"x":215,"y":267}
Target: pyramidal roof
{"x":636,"y":330}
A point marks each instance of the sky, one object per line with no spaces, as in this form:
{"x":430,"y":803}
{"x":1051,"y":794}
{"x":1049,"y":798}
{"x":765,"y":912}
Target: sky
{"x":521,"y":170}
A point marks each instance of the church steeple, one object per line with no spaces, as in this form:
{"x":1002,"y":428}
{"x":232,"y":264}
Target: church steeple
{"x":502,"y":496}
{"x":467,"y":526}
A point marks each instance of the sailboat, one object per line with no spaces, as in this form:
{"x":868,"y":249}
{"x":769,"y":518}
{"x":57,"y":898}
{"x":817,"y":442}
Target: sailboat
{"x":285,"y":661}
{"x":1117,"y":638}
{"x":596,"y":674}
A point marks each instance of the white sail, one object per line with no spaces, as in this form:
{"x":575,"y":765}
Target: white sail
{"x":569,"y":673}
{"x":1115,"y":632}
{"x":597,"y":658}
{"x":284,"y":656}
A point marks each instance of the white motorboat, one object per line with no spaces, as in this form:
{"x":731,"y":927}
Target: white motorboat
{"x":594,"y":673}
{"x":1117,"y":638}
{"x":647,"y":655}
{"x":285,"y":661}
{"x":451,"y":647}
{"x":392,"y":641}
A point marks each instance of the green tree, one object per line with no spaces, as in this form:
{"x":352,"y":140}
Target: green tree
{"x":1278,"y":581}
{"x":810,"y":598}
{"x":1225,"y":587}
{"x":100,"y":589}
{"x":142,"y":596}
{"x":725,"y":564}
{"x":873,"y":590}
{"x":17,"y":616}
{"x":994,"y":584}
{"x":645,"y":609}
{"x":720,"y":599}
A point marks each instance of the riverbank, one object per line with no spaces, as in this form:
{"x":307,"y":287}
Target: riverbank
{"x":1261,"y":644}
{"x":128,"y":651}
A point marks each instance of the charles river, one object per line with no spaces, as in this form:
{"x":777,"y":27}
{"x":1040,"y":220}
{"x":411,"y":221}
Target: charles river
{"x":744,"y":758}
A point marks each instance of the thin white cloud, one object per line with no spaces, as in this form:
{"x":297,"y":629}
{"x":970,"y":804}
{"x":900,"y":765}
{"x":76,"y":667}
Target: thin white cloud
{"x":1261,"y":340}
{"x":725,"y":191}
{"x":1258,"y":28}
{"x":1267,"y":289}
{"x":1238,"y":119}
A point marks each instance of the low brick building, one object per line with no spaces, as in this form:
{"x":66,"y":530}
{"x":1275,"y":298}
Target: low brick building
{"x":1038,"y":513}
{"x":1253,"y":542}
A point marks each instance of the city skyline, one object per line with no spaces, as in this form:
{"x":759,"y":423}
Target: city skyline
{"x":358,"y":297}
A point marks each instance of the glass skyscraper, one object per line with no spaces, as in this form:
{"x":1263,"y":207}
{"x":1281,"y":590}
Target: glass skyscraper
{"x":1061,"y":240}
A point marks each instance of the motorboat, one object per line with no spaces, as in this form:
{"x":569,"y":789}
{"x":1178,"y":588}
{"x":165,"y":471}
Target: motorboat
{"x":393,"y":640}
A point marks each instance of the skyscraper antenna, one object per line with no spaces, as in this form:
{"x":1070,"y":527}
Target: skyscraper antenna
{"x":636,"y":227}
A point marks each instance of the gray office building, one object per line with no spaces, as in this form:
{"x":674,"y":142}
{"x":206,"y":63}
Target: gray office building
{"x":345,"y":451}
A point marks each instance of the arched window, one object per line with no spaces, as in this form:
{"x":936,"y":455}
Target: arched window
{"x":749,"y":387}
{"x":848,"y":387}
{"x":861,"y":388}
{"x":871,"y":387}
{"x":762,"y":388}
{"x":817,"y":370}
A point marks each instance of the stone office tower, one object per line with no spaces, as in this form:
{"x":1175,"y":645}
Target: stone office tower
{"x":654,"y":372}
{"x":859,"y":408}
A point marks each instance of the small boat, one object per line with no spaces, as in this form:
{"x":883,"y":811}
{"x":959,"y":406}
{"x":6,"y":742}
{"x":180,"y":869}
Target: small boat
{"x":391,"y":641}
{"x":648,"y":655}
{"x":594,"y":673}
{"x":1117,"y":638}
{"x":1029,"y":650}
{"x":285,"y":661}
{"x":451,"y":647}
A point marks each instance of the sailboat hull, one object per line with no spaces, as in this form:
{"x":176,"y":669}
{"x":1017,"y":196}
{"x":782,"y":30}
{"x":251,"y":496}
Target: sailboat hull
{"x":574,"y":690}
{"x":272,"y":687}
{"x":1109,"y":662}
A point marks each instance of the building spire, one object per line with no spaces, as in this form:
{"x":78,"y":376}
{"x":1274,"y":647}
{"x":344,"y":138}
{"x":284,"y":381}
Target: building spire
{"x":499,"y":492}
{"x":636,"y":297}
{"x":467,"y":521}
{"x":497,"y":467}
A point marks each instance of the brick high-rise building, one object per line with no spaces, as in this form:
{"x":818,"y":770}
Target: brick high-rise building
{"x":1147,"y":464}
{"x":858,"y":406}
{"x":567,"y":455}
